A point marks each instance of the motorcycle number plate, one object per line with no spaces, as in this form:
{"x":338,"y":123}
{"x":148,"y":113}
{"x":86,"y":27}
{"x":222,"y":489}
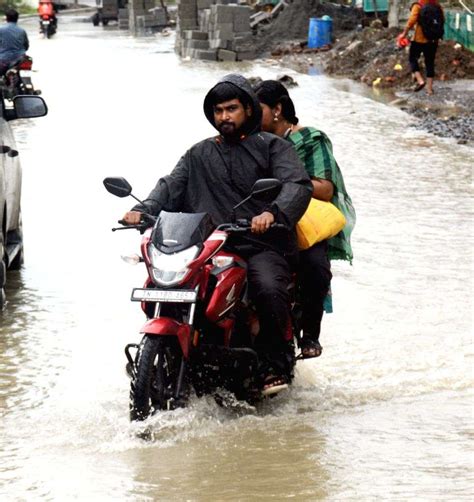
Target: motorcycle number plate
{"x":45,"y":22}
{"x":164,"y":295}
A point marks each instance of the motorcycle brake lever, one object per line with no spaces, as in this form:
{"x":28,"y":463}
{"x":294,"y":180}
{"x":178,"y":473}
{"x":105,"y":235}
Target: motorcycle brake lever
{"x":126,"y":226}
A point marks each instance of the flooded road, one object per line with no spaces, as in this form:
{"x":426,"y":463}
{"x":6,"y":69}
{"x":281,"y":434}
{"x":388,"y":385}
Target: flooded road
{"x":385,"y":413}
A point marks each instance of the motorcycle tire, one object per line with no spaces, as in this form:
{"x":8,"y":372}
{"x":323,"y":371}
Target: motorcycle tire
{"x":154,"y":380}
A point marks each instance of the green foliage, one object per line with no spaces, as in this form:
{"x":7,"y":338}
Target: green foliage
{"x":19,"y":5}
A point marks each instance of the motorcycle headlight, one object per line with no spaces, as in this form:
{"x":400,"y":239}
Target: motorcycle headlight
{"x":170,"y":269}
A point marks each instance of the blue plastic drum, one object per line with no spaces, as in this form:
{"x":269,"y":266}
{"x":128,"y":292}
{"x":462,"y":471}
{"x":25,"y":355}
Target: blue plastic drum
{"x":320,"y":32}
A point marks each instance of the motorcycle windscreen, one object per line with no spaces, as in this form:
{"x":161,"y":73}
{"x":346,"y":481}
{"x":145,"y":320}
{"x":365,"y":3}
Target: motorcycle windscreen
{"x":174,"y":232}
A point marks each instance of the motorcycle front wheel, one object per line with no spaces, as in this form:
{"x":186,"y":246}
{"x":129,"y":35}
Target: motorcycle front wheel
{"x":155,"y":377}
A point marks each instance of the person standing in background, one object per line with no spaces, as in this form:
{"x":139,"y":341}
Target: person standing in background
{"x":427,"y":18}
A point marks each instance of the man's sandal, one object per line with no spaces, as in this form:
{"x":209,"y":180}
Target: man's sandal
{"x":272,"y":384}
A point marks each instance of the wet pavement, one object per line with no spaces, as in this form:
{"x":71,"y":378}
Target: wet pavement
{"x":385,"y":413}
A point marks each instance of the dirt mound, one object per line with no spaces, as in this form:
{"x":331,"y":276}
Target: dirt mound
{"x":293,"y":22}
{"x":371,"y":56}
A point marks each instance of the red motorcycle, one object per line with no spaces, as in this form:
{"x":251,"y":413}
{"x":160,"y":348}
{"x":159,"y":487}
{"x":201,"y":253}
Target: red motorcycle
{"x":48,"y":25}
{"x":201,"y":326}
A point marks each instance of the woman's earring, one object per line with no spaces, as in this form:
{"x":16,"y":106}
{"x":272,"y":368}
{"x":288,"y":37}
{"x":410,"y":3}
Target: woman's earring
{"x":275,"y":118}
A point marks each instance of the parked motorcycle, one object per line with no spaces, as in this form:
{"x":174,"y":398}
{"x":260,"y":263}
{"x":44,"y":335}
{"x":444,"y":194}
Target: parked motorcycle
{"x":48,"y":25}
{"x":201,"y":326}
{"x":17,"y":79}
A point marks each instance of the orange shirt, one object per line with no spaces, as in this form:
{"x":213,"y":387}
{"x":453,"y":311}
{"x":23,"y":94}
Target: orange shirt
{"x":46,"y":9}
{"x":413,"y":21}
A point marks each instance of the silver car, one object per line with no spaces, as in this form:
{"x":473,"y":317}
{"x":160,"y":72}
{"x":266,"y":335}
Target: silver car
{"x":11,"y":238}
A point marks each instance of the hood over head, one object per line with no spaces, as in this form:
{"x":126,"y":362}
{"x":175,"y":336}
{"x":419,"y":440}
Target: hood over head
{"x":253,"y":123}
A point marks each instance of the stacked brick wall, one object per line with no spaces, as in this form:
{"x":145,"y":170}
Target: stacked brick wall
{"x":143,"y":16}
{"x":215,"y":30}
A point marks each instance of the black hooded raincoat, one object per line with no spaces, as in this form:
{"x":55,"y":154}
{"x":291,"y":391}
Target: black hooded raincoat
{"x":213,"y":176}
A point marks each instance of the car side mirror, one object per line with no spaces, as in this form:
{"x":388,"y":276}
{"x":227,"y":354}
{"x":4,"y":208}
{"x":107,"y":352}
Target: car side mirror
{"x":28,"y":107}
{"x":119,"y":187}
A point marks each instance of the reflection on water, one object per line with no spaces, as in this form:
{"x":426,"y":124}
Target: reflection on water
{"x":391,"y":394}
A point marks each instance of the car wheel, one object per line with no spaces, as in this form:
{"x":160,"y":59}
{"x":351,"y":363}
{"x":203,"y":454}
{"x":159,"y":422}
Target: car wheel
{"x":18,"y":261}
{"x":3,"y":272}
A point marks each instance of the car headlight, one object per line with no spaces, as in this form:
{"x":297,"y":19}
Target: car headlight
{"x":170,"y":269}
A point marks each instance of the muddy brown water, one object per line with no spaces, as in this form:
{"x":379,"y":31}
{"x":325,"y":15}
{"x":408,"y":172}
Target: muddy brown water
{"x":384,"y":414}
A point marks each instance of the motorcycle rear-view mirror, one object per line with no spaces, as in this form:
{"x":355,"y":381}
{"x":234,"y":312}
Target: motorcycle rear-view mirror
{"x":119,"y":187}
{"x":264,"y":189}
{"x":267,"y":188}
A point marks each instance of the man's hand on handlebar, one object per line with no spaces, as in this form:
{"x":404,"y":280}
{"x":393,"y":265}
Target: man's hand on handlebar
{"x":262,"y":222}
{"x":132,"y":218}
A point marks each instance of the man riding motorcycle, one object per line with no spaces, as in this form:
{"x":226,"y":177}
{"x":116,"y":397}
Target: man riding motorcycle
{"x":213,"y":176}
{"x":13,"y":41}
{"x":47,"y":9}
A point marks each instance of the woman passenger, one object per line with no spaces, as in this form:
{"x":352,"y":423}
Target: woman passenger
{"x":315,"y":151}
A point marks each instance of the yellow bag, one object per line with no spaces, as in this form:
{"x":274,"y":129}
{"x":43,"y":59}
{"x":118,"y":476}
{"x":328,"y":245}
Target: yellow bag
{"x":321,"y":221}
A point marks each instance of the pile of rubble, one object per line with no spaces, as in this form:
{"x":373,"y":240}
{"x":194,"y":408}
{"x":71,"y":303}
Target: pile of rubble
{"x":214,"y":30}
{"x":372,"y":57}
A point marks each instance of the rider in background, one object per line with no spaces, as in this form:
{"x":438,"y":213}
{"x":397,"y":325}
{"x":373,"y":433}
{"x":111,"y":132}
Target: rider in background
{"x":13,"y":41}
{"x":47,"y":9}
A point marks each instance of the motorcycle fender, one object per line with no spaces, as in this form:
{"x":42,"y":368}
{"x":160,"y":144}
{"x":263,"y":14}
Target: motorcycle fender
{"x":164,"y":326}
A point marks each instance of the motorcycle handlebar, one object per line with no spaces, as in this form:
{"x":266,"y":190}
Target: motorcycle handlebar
{"x":244,"y":226}
{"x":147,"y":221}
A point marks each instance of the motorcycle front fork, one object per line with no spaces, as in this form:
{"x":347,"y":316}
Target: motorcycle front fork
{"x":131,"y":369}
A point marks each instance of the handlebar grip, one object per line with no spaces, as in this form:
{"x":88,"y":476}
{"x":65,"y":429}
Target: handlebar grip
{"x":122,"y":222}
{"x":148,"y":218}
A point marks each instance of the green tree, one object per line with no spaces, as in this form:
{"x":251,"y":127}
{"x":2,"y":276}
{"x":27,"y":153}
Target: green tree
{"x":19,"y":5}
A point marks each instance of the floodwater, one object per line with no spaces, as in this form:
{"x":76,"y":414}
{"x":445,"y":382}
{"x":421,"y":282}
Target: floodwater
{"x":385,"y":414}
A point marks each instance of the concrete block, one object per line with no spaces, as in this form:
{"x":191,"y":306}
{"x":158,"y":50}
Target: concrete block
{"x":209,"y":55}
{"x":217,"y":43}
{"x":187,"y":11}
{"x":204,"y":4}
{"x":222,"y":13}
{"x":243,"y":55}
{"x":187,"y":24}
{"x":195,"y":35}
{"x":241,"y":26}
{"x":225,"y":34}
{"x":225,"y":55}
{"x":196,"y":44}
{"x":204,"y":16}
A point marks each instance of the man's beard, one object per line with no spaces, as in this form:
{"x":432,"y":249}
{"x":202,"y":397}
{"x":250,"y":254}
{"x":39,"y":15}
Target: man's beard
{"x":228,"y":129}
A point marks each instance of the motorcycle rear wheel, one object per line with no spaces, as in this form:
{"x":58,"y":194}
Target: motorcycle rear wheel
{"x":155,"y":378}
